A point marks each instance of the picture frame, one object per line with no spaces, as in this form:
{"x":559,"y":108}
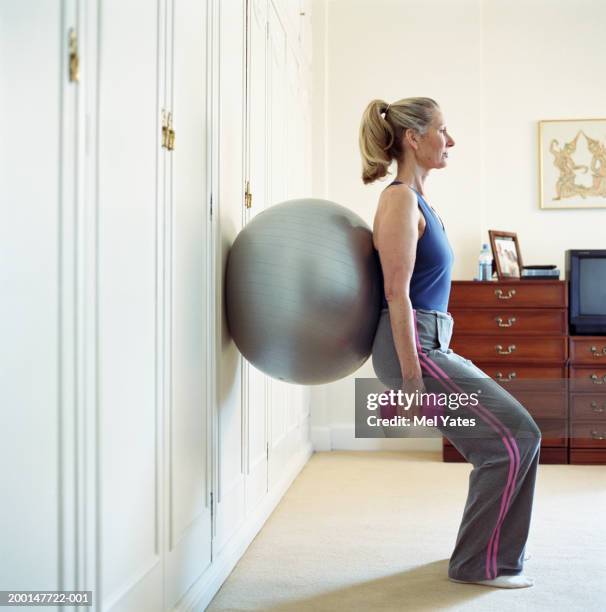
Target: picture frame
{"x":506,"y":253}
{"x":572,"y":163}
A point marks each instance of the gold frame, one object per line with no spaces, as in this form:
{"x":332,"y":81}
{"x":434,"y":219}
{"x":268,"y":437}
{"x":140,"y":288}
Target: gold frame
{"x":542,"y":203}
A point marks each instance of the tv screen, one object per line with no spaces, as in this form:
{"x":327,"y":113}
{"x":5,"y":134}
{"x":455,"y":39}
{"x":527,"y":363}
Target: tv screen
{"x":592,"y":289}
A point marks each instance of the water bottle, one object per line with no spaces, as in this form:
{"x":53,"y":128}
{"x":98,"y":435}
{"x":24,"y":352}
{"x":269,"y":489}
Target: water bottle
{"x":485,"y":262}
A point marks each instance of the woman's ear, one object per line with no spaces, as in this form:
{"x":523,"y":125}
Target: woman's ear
{"x":410,"y":135}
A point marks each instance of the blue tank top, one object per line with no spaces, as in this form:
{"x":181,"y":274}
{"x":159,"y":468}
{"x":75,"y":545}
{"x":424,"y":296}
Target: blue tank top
{"x":430,"y":281}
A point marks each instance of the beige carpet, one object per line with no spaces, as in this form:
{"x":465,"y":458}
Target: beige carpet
{"x":374,"y":530}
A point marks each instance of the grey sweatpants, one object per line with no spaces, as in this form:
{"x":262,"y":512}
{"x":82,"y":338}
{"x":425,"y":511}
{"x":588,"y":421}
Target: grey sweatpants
{"x":503,"y":448}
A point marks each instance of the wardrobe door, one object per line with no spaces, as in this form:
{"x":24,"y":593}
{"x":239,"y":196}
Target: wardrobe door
{"x":296,"y":148}
{"x":33,"y":98}
{"x":279,"y":393}
{"x":305,"y":33}
{"x":187,"y":468}
{"x":130,"y":282}
{"x":230,"y":492}
{"x":255,"y":381}
{"x":279,"y":149}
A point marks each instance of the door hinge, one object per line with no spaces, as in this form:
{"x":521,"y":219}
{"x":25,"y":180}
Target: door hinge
{"x":267,"y":450}
{"x":74,"y":60}
{"x":248,"y":196}
{"x":212,"y":506}
{"x":211,"y":205}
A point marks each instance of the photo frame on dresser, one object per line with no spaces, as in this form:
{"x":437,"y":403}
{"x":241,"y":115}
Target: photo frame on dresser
{"x":506,"y":253}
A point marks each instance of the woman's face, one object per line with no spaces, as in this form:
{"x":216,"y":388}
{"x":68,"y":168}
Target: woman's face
{"x":432,"y":151}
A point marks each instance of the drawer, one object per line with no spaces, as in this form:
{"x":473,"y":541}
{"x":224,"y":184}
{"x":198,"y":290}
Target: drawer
{"x":584,"y":456}
{"x":548,"y":454}
{"x":543,"y":405}
{"x":532,"y":294}
{"x":556,"y":455}
{"x":507,"y":373}
{"x":590,"y":434}
{"x":583,"y":378}
{"x":588,"y":350}
{"x":553,"y":432}
{"x":531,"y":321}
{"x":506,"y":348}
{"x":587,"y":407}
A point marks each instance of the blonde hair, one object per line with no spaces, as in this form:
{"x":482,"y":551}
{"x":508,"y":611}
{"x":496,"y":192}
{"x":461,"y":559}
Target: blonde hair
{"x":381,"y":132}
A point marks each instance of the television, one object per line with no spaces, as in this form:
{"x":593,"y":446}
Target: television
{"x":586,"y":276}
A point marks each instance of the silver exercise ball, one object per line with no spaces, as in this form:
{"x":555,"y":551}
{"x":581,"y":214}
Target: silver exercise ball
{"x":303,"y":291}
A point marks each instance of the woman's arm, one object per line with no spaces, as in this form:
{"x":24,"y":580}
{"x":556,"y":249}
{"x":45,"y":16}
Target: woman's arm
{"x":396,"y":243}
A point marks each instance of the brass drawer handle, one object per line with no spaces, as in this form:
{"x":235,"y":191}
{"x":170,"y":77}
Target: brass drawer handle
{"x":595,"y":379}
{"x":510,"y":376}
{"x":499,"y":294}
{"x":596,"y":436}
{"x":510,"y":349}
{"x":509,"y":323}
{"x":596,"y":408}
{"x":596,"y":353}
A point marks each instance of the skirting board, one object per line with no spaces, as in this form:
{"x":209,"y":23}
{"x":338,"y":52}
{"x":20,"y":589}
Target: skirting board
{"x":341,"y":436}
{"x":202,"y":592}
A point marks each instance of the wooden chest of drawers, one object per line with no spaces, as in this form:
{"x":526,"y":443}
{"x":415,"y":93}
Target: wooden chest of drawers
{"x":517,"y":331}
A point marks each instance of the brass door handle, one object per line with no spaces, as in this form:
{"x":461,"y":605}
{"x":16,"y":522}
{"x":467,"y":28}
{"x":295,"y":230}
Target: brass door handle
{"x":499,"y":294}
{"x":164,"y":130}
{"x":510,"y":376}
{"x":595,"y":379}
{"x":510,"y":349}
{"x":74,"y":60}
{"x":247,"y":196}
{"x":509,"y":323}
{"x":170,"y":144}
{"x":596,"y":353}
{"x":596,"y":436}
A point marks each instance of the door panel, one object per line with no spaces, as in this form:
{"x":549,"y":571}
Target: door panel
{"x":188,"y":521}
{"x":231,"y":437}
{"x":255,"y":398}
{"x":32,"y":201}
{"x":276,"y":109}
{"x":128,"y":217}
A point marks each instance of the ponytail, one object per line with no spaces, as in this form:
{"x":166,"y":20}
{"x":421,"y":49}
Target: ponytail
{"x":381,"y":132}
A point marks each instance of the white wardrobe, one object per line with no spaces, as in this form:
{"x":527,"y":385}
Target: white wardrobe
{"x":141,"y":452}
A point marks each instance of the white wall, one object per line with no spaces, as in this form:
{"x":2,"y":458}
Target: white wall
{"x":496,"y":67}
{"x":543,"y":59}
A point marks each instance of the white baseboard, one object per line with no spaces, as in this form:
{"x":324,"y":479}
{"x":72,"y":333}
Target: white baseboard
{"x":341,"y":436}
{"x":202,"y":592}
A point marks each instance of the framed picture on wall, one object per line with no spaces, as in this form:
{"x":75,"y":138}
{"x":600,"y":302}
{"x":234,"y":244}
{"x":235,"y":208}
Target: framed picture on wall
{"x":506,"y":253}
{"x":572,"y":163}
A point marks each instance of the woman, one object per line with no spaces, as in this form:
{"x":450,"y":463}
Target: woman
{"x":411,"y":344}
